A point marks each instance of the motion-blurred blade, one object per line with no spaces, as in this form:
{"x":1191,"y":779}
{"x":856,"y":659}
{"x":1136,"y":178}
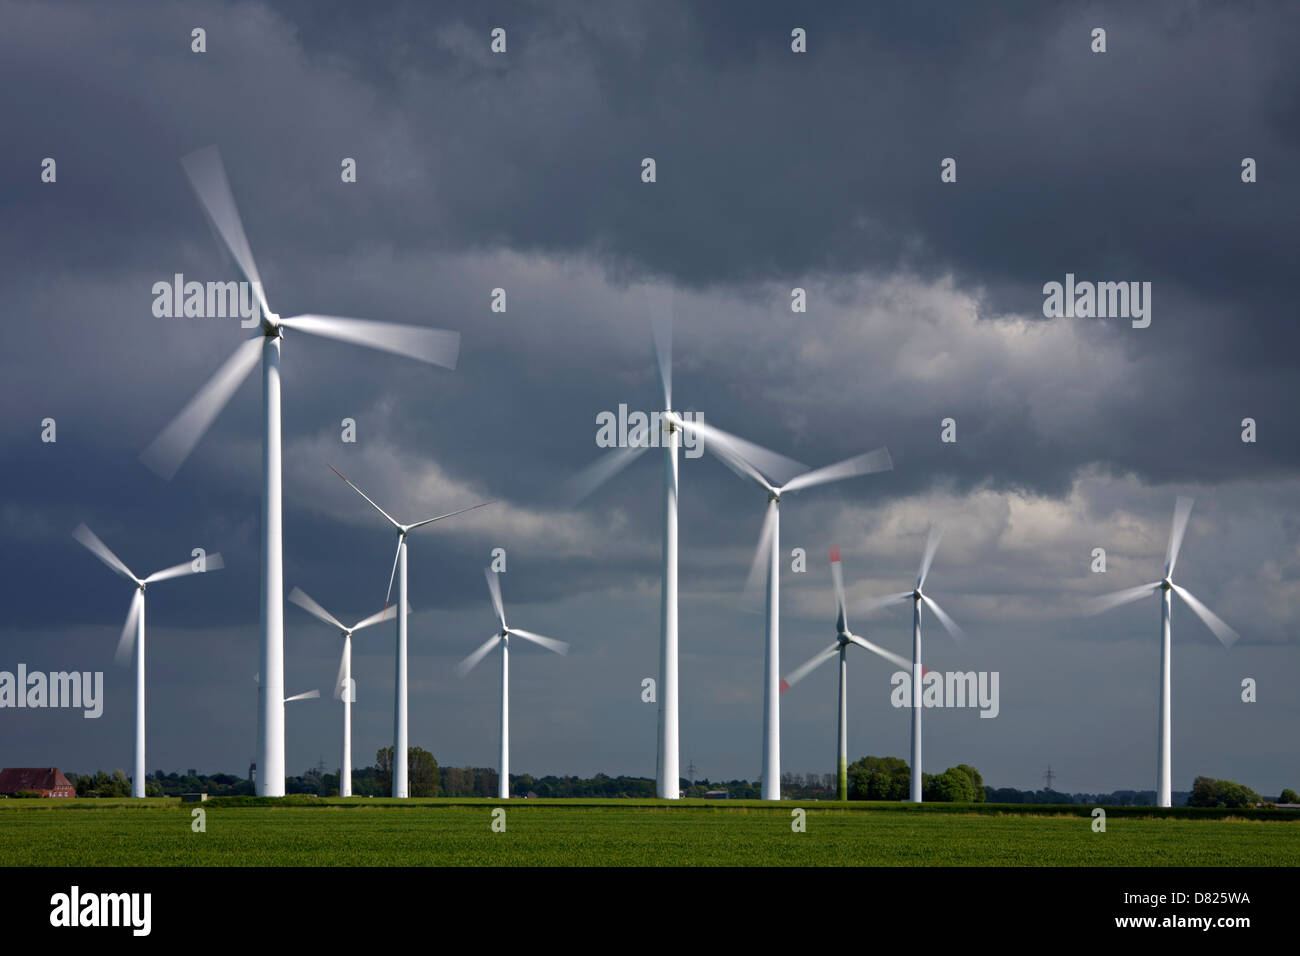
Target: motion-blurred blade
{"x":837,"y":577}
{"x":449,"y":514}
{"x":808,"y":666}
{"x":1107,"y":601}
{"x":753,"y":461}
{"x":873,"y":604}
{"x":207,"y":175}
{"x":175,"y":442}
{"x":387,"y":614}
{"x":1221,"y":630}
{"x":483,"y":650}
{"x":127,"y":641}
{"x":388,"y":598}
{"x":1182,"y":511}
{"x":931,"y":546}
{"x":550,"y":644}
{"x":391,"y":520}
{"x":865,"y":464}
{"x":309,"y":695}
{"x":494,"y":588}
{"x":760,"y":566}
{"x":895,"y":659}
{"x":948,"y":623}
{"x":211,"y":562}
{"x":100,"y":550}
{"x":582,"y":484}
{"x":435,"y":346}
{"x":300,"y":597}
{"x":661,"y":326}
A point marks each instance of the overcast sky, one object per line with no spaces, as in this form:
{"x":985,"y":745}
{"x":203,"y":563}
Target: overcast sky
{"x":522,"y":171}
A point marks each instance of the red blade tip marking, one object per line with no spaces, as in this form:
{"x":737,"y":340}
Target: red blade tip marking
{"x":835,"y":553}
{"x":785,"y":685}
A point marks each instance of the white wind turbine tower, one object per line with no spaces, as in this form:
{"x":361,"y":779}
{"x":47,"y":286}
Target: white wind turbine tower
{"x":918,"y":597}
{"x":306,"y":695}
{"x":208,"y":177}
{"x":843,"y":638}
{"x":763,"y":468}
{"x":135,"y":622}
{"x":345,"y":687}
{"x":1226,"y":635}
{"x":502,"y":637}
{"x":400,"y":755}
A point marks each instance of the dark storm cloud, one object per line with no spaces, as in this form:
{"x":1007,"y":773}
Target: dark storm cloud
{"x":774,"y":170}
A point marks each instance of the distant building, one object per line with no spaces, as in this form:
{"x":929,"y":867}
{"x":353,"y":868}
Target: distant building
{"x":717,"y":795}
{"x":47,"y":781}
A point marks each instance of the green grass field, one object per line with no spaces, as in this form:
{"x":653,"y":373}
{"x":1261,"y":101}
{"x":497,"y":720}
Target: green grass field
{"x":362,"y":832}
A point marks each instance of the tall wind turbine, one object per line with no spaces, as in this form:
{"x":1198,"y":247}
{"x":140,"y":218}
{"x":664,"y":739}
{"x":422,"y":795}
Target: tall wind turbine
{"x":667,"y":772}
{"x":843,"y":638}
{"x":208,"y":177}
{"x":502,"y":637}
{"x":918,"y":597}
{"x":135,"y":622}
{"x":306,"y":695}
{"x":345,"y":688}
{"x":399,"y":563}
{"x":1166,"y":586}
{"x":763,"y":468}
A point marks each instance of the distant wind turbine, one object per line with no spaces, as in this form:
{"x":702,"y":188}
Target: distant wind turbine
{"x":843,"y":638}
{"x":135,"y":622}
{"x":502,"y":637}
{"x":173,"y":445}
{"x":1226,"y":635}
{"x":918,"y":597}
{"x":399,"y":563}
{"x":344,"y":686}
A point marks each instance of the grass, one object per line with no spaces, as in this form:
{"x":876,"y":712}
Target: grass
{"x":457,"y":832}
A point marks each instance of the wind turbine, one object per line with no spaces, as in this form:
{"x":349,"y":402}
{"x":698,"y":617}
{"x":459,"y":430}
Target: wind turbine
{"x":843,"y":638}
{"x":306,"y":695}
{"x":208,"y":177}
{"x":135,"y":622}
{"x":918,"y":597}
{"x":345,"y":687}
{"x":763,"y":468}
{"x":399,"y":562}
{"x":1166,"y":586}
{"x":502,"y":637}
{"x":668,"y":773}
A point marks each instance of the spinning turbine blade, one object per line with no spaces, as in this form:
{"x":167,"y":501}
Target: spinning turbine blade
{"x":808,"y":666}
{"x":895,"y":659}
{"x":948,"y":623}
{"x":762,"y":556}
{"x":300,"y":597}
{"x":449,"y":514}
{"x":309,"y":695}
{"x":213,"y":562}
{"x":750,"y":460}
{"x":1182,"y":511}
{"x":661,"y":325}
{"x":387,"y":614}
{"x":582,"y":484}
{"x":931,"y":546}
{"x":124,"y":644}
{"x":207,"y":175}
{"x":391,"y":519}
{"x":494,"y":588}
{"x":866,"y":464}
{"x":435,"y":346}
{"x":837,"y":576}
{"x":175,"y":442}
{"x":100,"y":550}
{"x":401,"y":539}
{"x":483,"y":650}
{"x":1108,"y":601}
{"x":550,"y":644}
{"x":871,"y":604}
{"x":1221,"y":630}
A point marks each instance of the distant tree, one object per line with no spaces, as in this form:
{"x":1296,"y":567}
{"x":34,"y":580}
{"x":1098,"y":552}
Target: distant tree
{"x":1289,"y":796}
{"x":421,"y":772}
{"x":1209,"y":792}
